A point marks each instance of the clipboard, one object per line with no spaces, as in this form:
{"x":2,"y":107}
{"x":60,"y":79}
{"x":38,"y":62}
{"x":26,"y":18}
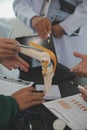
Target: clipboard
{"x":9,"y":85}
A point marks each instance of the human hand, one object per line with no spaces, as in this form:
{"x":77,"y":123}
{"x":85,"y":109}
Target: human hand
{"x":42,"y":26}
{"x":57,"y":31}
{"x":84,"y":93}
{"x":8,"y":48}
{"x":27,"y":97}
{"x":15,"y":62}
{"x":81,"y":68}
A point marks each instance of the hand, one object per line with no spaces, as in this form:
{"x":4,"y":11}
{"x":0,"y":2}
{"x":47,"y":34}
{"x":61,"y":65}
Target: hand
{"x":15,"y":62}
{"x":84,"y":94}
{"x":57,"y":31}
{"x":8,"y":48}
{"x":42,"y":26}
{"x":27,"y":97}
{"x":81,"y":68}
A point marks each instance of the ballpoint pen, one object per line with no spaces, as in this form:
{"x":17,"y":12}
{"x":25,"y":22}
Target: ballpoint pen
{"x":48,"y":38}
{"x":30,"y":126}
{"x":18,"y":81}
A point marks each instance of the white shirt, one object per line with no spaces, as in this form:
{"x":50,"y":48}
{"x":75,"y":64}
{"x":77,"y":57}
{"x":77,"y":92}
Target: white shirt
{"x":65,"y":46}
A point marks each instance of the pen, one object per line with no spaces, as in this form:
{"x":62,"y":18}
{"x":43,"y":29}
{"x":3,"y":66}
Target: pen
{"x":48,"y":38}
{"x":18,"y":81}
{"x":30,"y":126}
{"x":48,"y":35}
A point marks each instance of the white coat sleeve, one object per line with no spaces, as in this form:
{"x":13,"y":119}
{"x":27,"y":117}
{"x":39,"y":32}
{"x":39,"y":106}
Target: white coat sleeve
{"x":75,"y":20}
{"x":24,"y":11}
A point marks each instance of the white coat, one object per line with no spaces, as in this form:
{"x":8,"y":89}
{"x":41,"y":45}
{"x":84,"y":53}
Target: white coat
{"x":65,"y":46}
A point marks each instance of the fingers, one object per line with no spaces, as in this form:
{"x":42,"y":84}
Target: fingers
{"x":8,"y":48}
{"x":84,"y":94}
{"x":29,"y":104}
{"x":79,"y":55}
{"x":8,"y":41}
{"x":9,"y":44}
{"x":79,"y":70}
{"x":85,"y":87}
{"x":27,"y":97}
{"x":57,"y":31}
{"x":43,"y":27}
{"x":74,"y":69}
{"x":36,"y":98}
{"x":23,"y":65}
{"x":83,"y":64}
{"x":5,"y":56}
{"x":79,"y":67}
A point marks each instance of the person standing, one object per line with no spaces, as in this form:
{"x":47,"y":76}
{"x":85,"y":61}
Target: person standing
{"x":66,"y":20}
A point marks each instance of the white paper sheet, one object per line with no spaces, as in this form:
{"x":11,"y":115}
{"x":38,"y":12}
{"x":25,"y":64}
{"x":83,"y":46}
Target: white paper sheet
{"x":72,"y":109}
{"x":54,"y":92}
{"x":8,"y":88}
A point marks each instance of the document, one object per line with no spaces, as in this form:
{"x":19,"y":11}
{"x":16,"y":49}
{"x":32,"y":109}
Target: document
{"x":54,"y":92}
{"x":72,"y":109}
{"x":9,"y":87}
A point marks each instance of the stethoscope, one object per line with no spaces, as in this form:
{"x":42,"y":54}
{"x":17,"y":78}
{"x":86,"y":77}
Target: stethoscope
{"x":23,"y":121}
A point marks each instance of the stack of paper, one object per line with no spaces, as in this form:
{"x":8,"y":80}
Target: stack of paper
{"x":54,"y":92}
{"x":72,"y":109}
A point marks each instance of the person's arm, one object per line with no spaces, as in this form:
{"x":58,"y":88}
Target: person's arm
{"x":75,"y":20}
{"x":20,"y":100}
{"x":26,"y":12}
{"x":23,"y":10}
{"x":8,"y":110}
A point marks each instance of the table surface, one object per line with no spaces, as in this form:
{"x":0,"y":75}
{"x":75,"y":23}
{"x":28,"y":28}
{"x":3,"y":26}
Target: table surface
{"x":63,"y":78}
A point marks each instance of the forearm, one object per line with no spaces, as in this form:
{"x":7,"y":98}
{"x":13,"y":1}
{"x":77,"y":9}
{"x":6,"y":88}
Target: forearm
{"x":24,"y":11}
{"x":8,"y":110}
{"x":75,"y":20}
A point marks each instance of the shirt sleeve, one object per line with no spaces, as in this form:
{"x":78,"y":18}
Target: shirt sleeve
{"x":24,"y":11}
{"x":75,"y":20}
{"x":8,"y":110}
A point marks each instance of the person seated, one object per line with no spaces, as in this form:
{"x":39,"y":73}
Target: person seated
{"x":24,"y":98}
{"x":81,"y":70}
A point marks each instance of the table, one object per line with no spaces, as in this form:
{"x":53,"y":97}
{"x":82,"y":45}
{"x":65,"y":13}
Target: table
{"x":63,"y":78}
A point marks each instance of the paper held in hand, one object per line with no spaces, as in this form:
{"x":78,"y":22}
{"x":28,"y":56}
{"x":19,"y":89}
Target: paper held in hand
{"x":8,"y":87}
